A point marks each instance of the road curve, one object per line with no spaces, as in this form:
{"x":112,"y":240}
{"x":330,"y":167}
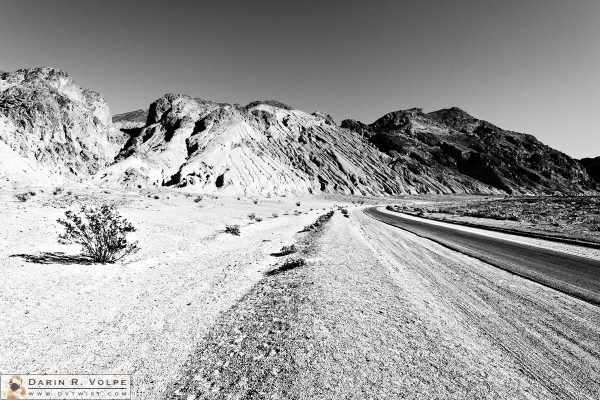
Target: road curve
{"x":570,"y":274}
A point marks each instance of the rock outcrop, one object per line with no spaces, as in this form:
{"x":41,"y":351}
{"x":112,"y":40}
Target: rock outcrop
{"x":452,"y":143}
{"x":592,"y":166}
{"x":264,"y":148}
{"x":51,"y":127}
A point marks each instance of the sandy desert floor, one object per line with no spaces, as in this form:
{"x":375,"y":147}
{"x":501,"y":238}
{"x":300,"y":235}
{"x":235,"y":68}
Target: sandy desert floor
{"x":376,"y":312}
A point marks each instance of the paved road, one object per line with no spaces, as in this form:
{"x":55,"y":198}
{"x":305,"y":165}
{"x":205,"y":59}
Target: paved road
{"x":576,"y":276}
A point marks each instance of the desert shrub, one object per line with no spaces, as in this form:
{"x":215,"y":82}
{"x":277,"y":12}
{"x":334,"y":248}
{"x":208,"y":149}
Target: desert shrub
{"x":297,"y":204}
{"x":69,"y":192}
{"x":251,"y":216}
{"x":320,"y":221}
{"x":285,"y":250}
{"x":23,"y":197}
{"x":255,"y":201}
{"x":390,"y":208}
{"x":258,"y":219}
{"x":292,"y":263}
{"x":233,"y":230}
{"x":156,"y":197}
{"x":101,"y":231}
{"x":275,"y":215}
{"x":57,"y":190}
{"x":198,"y":199}
{"x":344,"y":212}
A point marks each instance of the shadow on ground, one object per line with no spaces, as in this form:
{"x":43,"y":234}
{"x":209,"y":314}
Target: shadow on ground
{"x":55,"y":258}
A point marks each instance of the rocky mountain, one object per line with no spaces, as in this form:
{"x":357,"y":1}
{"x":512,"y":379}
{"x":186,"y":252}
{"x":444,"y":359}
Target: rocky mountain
{"x":451,"y":142}
{"x":51,"y":129}
{"x":263,"y":148}
{"x":592,"y":166}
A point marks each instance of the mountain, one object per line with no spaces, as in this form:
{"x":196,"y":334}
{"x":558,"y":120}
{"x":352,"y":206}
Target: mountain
{"x":450,"y":142}
{"x":51,"y":129}
{"x":592,"y":166}
{"x":263,"y":148}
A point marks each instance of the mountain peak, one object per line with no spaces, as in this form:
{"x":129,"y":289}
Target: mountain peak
{"x":273,"y":103}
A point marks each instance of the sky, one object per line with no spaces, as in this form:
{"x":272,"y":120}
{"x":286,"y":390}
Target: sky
{"x":531,"y":66}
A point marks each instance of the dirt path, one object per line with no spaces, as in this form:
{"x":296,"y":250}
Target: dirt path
{"x":380,"y":313}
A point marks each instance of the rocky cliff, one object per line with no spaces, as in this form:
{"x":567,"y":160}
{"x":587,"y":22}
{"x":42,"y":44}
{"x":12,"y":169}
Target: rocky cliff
{"x":52,"y":128}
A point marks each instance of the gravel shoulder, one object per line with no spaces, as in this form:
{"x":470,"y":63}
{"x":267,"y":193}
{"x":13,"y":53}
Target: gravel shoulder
{"x":381,"y":313}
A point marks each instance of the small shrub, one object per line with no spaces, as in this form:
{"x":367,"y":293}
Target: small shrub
{"x":233,"y":230}
{"x":344,"y":212}
{"x":275,"y":215}
{"x":258,"y":219}
{"x":100,"y":231}
{"x":251,"y":216}
{"x":69,"y":192}
{"x":297,"y":204}
{"x":286,"y":250}
{"x":322,"y":219}
{"x":292,"y":263}
{"x":57,"y":190}
{"x":255,"y":201}
{"x":198,"y":199}
{"x":23,"y":197}
{"x":156,"y":197}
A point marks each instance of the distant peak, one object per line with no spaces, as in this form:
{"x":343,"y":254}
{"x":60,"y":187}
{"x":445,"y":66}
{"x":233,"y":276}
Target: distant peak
{"x":273,"y":103}
{"x":453,"y":112}
{"x":41,"y":73}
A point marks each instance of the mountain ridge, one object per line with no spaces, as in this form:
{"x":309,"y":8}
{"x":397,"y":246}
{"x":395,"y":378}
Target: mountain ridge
{"x":267,"y":147}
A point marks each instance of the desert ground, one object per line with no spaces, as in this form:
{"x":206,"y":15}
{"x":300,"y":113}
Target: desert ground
{"x":375,"y":311}
{"x":571,"y":217}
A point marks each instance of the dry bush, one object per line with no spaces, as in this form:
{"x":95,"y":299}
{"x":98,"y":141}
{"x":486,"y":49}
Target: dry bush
{"x":23,"y":197}
{"x":320,"y":221}
{"x":275,"y":215}
{"x":292,"y":263}
{"x":198,"y":199}
{"x":100,"y":231}
{"x":233,"y":230}
{"x":258,"y":219}
{"x":251,"y":216}
{"x":286,"y":250}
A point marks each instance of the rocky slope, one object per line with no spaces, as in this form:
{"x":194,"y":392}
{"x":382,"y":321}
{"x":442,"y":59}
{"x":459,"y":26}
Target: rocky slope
{"x":592,"y":166}
{"x":452,"y":142}
{"x":51,"y":129}
{"x":264,"y":148}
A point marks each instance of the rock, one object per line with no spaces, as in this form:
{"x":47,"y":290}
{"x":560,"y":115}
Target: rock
{"x":53,"y":126}
{"x":592,"y":166}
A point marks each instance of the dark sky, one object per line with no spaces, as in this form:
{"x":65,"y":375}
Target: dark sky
{"x":528,"y":65}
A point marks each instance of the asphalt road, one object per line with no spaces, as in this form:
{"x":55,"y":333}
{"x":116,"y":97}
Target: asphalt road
{"x":573,"y":275}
